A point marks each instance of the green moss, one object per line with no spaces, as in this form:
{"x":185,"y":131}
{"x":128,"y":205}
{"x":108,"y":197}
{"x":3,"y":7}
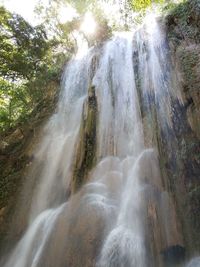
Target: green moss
{"x":183,"y":21}
{"x":188,"y":61}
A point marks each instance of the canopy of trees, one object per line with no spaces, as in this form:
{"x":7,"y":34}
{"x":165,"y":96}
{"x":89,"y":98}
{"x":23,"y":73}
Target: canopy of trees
{"x":31,"y":57}
{"x":27,"y":63}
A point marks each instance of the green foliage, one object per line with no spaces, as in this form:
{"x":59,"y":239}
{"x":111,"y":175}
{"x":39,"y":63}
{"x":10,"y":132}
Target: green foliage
{"x":63,"y":32}
{"x":178,"y":10}
{"x":168,"y":7}
{"x":14,"y":102}
{"x":187,"y":16}
{"x":82,"y":6}
{"x":22,"y":47}
{"x":28,"y":62}
{"x":138,"y":5}
{"x":59,"y":32}
{"x":31,"y":57}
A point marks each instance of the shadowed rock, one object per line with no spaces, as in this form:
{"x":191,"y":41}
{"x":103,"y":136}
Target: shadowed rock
{"x":85,"y":153}
{"x":173,"y":254}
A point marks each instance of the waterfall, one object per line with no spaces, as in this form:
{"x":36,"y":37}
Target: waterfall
{"x":100,"y":199}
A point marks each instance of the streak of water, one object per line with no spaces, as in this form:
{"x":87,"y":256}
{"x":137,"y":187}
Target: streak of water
{"x":31,"y":246}
{"x":119,"y":118}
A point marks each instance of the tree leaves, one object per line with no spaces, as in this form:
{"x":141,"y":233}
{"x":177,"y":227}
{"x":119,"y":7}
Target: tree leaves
{"x":21,"y":48}
{"x":138,"y":5}
{"x":26,"y":65}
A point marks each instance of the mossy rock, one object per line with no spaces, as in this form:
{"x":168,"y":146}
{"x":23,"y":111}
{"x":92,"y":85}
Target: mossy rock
{"x":86,"y":148}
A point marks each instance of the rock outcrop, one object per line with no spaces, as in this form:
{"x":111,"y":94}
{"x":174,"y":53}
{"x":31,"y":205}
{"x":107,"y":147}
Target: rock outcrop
{"x":182,"y":165}
{"x":86,"y":149}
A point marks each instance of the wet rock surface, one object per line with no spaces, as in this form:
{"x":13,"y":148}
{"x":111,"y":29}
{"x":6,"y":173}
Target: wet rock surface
{"x":86,"y":148}
{"x":173,"y":255}
{"x":183,"y":163}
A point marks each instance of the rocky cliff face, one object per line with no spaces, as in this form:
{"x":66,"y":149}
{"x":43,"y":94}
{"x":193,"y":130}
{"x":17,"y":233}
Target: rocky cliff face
{"x":181,"y":163}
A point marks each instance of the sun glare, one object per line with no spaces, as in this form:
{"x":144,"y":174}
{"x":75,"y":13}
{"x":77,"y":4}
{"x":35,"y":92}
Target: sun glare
{"x":67,"y":14}
{"x":89,"y":24}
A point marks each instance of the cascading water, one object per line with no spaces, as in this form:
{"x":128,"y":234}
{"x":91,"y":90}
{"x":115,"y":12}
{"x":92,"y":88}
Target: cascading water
{"x":123,"y":215}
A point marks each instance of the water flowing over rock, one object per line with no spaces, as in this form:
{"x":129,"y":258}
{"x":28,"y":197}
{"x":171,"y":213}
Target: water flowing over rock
{"x":101,"y":197}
